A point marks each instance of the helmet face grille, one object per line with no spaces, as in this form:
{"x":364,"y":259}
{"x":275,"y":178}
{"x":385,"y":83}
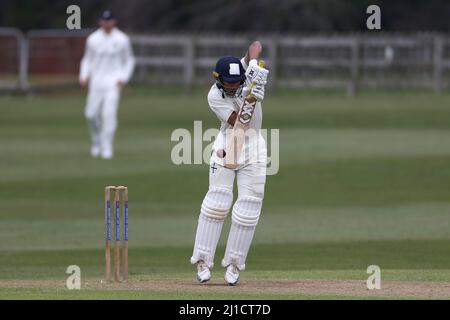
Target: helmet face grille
{"x":229,"y":92}
{"x":233,"y":93}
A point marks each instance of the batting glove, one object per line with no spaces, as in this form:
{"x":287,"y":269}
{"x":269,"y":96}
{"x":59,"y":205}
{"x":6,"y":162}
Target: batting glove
{"x":255,"y":74}
{"x":258,"y":92}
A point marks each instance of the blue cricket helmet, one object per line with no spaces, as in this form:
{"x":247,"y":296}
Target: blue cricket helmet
{"x":229,"y":69}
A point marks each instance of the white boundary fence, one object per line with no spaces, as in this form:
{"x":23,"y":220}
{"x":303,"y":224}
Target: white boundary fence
{"x":378,"y":60}
{"x":19,"y":56}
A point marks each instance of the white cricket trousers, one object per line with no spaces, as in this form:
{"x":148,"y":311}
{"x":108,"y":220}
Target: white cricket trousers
{"x":101,"y":113}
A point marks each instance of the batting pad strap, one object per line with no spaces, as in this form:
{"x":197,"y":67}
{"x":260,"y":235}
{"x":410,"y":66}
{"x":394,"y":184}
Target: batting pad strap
{"x":246,"y":211}
{"x":225,"y":263}
{"x":217,"y":203}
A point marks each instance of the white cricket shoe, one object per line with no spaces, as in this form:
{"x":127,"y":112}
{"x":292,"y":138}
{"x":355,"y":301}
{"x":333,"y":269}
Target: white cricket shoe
{"x":95,"y":151}
{"x":232,"y":275}
{"x":203,"y":272}
{"x":107,"y":154}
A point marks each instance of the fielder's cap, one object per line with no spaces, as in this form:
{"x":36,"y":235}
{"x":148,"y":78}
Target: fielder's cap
{"x":230,"y":69}
{"x":106,"y":15}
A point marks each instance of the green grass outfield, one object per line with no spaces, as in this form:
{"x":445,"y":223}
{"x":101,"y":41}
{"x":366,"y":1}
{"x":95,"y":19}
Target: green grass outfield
{"x":362,"y":181}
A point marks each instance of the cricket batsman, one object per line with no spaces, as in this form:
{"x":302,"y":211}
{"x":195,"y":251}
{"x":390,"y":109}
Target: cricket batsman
{"x":106,"y":67}
{"x":235,"y":80}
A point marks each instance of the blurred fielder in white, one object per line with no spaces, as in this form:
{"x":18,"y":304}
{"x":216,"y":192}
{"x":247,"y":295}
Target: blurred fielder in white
{"x":234,"y":78}
{"x":107,"y":66}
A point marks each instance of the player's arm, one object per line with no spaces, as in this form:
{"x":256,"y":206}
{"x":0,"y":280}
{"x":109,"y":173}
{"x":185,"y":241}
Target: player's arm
{"x":129,"y":63}
{"x":220,"y":107}
{"x":85,"y":65}
{"x":232,"y":118}
{"x":254,"y":52}
{"x":256,"y":74}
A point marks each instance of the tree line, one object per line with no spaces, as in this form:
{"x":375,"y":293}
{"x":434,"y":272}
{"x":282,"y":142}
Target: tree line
{"x":231,"y":16}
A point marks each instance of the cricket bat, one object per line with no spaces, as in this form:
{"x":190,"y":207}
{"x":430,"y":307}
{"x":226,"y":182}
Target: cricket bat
{"x":237,"y":138}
